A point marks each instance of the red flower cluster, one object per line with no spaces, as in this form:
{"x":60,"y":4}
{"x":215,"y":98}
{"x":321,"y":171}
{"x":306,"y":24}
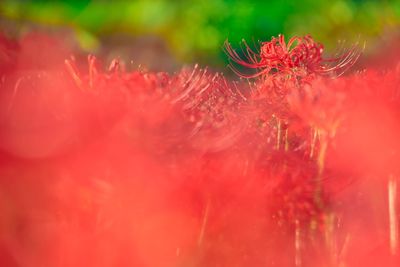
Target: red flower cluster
{"x":134,"y":168}
{"x":298,"y":58}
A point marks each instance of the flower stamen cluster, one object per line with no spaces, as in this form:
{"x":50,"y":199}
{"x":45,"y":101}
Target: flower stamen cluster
{"x":300,"y":57}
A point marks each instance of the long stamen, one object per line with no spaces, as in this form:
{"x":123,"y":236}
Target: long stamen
{"x":203,"y":224}
{"x":278,"y":135}
{"x":393,"y":220}
{"x":74,"y":73}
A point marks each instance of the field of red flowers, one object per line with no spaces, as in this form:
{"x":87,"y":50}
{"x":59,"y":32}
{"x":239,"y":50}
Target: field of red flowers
{"x":293,"y":163}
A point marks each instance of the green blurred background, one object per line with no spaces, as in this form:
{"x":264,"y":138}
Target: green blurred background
{"x":166,"y":34}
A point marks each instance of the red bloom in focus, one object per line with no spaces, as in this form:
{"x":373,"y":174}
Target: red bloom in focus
{"x":299,"y":57}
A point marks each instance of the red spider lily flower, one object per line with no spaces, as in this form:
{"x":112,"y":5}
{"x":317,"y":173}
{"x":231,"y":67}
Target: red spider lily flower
{"x":299,"y":57}
{"x":135,"y":168}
